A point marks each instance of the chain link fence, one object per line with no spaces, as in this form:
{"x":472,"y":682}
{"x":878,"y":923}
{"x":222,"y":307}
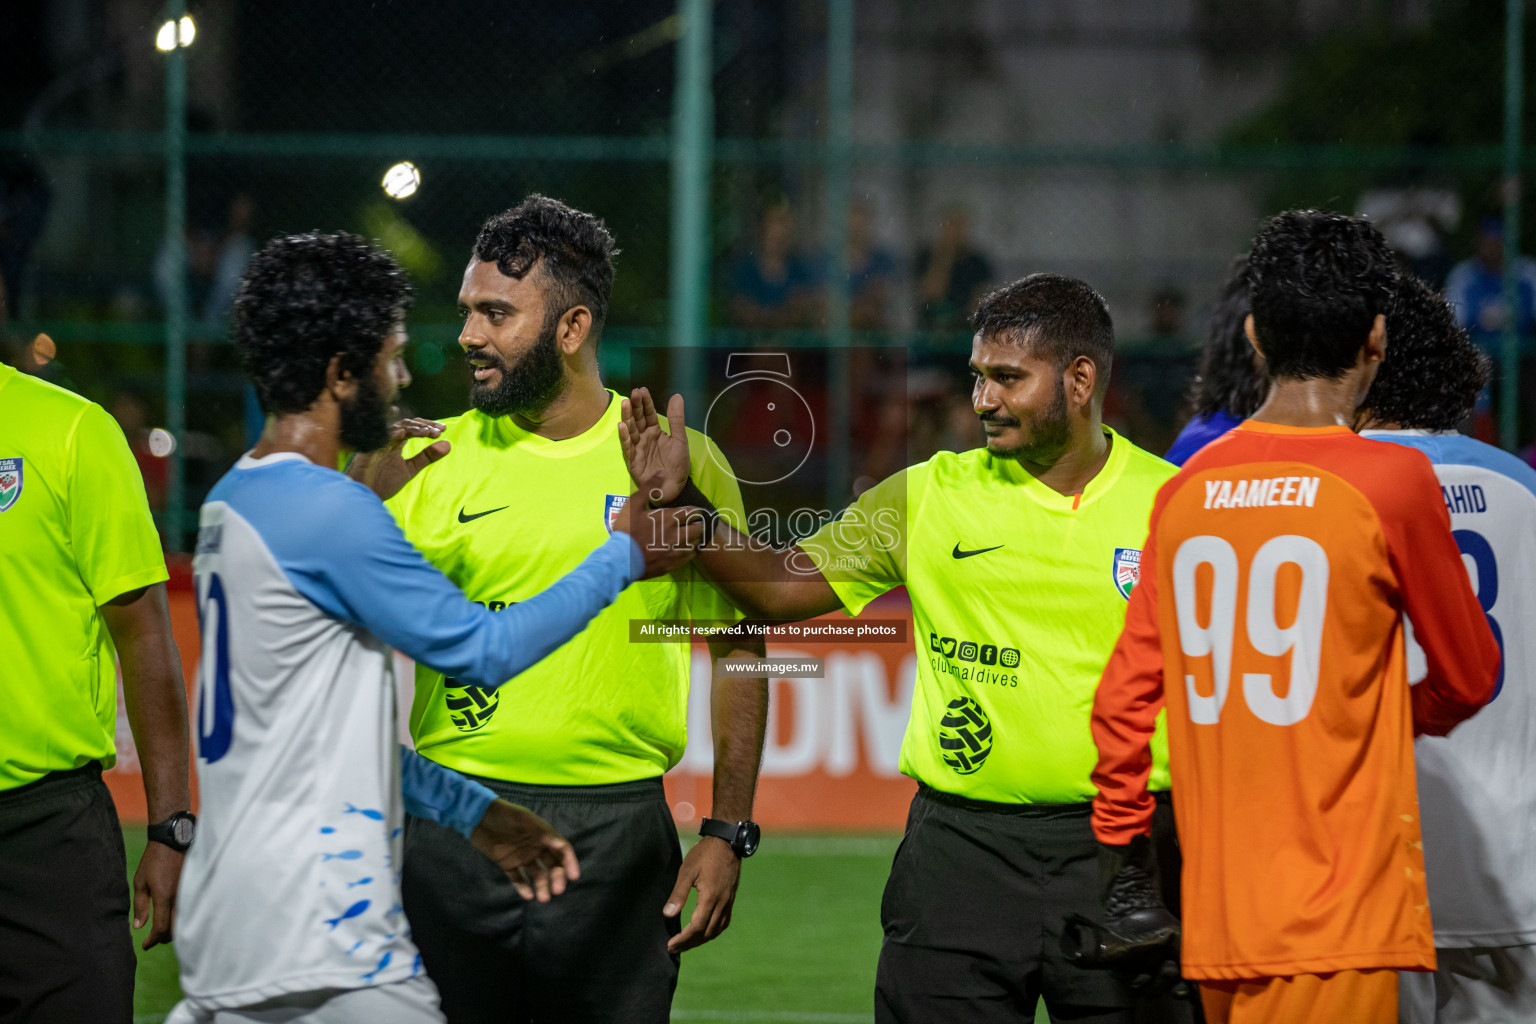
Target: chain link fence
{"x":1136,"y":145}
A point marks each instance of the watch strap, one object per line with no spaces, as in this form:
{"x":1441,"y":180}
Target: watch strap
{"x":727,"y":830}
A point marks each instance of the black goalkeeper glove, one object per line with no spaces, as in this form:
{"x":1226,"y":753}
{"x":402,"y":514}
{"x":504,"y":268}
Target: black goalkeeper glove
{"x":1139,"y":936}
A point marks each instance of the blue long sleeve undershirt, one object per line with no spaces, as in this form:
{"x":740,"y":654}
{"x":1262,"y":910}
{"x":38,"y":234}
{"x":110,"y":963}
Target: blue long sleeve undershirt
{"x":441,"y":794}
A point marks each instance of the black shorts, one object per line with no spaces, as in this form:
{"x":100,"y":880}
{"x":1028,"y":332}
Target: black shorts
{"x":973,"y":915}
{"x":66,"y":954}
{"x":598,"y":953}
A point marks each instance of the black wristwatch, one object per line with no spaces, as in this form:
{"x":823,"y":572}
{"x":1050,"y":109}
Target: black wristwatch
{"x":742,"y":835}
{"x":176,"y":831}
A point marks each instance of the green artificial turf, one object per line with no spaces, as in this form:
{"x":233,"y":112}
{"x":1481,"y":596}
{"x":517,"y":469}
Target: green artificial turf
{"x":801,"y":948}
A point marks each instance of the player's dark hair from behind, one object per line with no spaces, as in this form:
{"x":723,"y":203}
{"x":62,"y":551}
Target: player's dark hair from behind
{"x":1231,"y":377}
{"x":1316,"y":282}
{"x":574,"y":248}
{"x":1060,"y":318}
{"x":306,"y":298}
{"x":1433,"y":372}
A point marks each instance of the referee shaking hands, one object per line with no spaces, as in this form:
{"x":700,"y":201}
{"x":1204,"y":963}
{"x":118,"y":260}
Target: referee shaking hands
{"x":1019,"y":559}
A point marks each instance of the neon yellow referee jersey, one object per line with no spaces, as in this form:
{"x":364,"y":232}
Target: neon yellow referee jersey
{"x":506,"y":514}
{"x":1018,"y":595}
{"x":75,"y":532}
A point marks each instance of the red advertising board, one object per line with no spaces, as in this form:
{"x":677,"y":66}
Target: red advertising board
{"x":829,"y":763}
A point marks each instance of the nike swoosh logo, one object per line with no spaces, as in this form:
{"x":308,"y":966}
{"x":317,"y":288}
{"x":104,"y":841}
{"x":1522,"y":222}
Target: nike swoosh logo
{"x":471,"y":518}
{"x":957,"y":553}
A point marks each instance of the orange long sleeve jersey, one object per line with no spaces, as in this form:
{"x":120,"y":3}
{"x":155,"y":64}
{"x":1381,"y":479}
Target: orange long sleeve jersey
{"x":1273,"y":586}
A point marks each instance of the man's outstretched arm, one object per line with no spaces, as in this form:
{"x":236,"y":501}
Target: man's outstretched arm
{"x":369,"y":574}
{"x":766,"y":582}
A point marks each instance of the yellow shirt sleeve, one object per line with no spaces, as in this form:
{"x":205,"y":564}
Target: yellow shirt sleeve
{"x":110,"y":527}
{"x":713,"y":475}
{"x":863,"y":552}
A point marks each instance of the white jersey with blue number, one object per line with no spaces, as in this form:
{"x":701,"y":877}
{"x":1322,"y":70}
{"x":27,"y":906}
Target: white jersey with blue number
{"x":304,"y":584}
{"x":1477,"y":786}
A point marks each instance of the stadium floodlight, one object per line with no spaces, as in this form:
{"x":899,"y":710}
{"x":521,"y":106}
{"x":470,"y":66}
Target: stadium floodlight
{"x":402,"y":180}
{"x":176,"y":33}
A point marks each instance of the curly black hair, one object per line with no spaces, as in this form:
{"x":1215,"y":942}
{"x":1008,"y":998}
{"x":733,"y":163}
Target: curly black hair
{"x":1316,"y":282}
{"x":1433,"y":372}
{"x":307,"y":298}
{"x":574,"y":248}
{"x":1231,"y":376}
{"x":1059,"y":317}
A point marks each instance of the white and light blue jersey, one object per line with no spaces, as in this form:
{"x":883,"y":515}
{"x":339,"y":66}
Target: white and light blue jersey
{"x":1477,"y":792}
{"x":304,"y":583}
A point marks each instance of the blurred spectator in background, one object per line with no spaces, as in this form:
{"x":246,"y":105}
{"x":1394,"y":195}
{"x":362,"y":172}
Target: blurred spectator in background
{"x":1146,"y":392}
{"x":936,"y":416}
{"x":23,"y":211}
{"x":1165,"y":319}
{"x":201,"y":246}
{"x":1416,"y":221}
{"x":950,"y":274}
{"x":234,"y":252}
{"x":215,"y":262}
{"x":871,"y":273}
{"x":1475,"y":289}
{"x":1230,"y":383}
{"x":129,"y":411}
{"x":773,"y":285}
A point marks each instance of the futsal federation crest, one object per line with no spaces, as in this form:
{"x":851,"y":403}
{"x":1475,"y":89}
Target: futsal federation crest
{"x":612,"y":506}
{"x":1127,"y":570}
{"x":10,"y":482}
{"x":965,"y":735}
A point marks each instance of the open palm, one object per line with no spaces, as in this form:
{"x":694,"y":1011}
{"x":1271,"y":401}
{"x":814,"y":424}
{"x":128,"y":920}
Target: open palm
{"x":651,"y":452}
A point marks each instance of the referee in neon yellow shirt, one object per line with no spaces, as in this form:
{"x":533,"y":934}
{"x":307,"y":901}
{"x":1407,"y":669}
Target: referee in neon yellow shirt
{"x":520,"y":488}
{"x":82,"y":573}
{"x":1019,"y":559}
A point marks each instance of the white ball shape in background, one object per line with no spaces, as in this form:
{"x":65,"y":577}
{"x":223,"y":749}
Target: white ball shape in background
{"x":402,"y":180}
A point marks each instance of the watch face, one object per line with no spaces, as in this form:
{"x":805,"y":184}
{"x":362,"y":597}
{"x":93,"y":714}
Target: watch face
{"x":748,"y":837}
{"x":183,"y":829}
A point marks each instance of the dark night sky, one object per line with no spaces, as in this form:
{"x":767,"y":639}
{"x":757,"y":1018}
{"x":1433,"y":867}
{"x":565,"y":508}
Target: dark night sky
{"x":409,"y":67}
